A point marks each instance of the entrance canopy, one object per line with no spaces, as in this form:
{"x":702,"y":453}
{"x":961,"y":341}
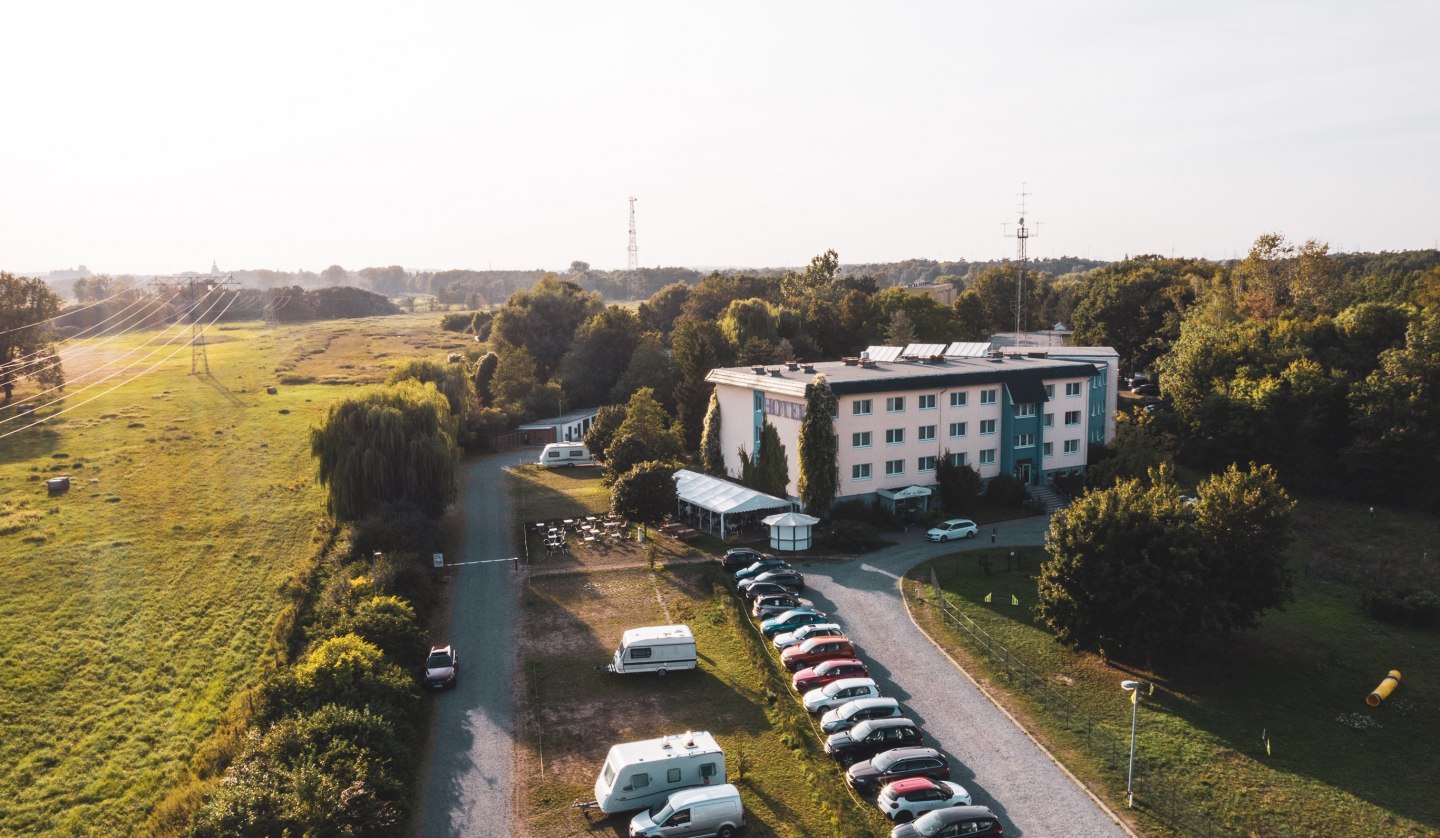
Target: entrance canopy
{"x":908,"y":493}
{"x":714,"y":503}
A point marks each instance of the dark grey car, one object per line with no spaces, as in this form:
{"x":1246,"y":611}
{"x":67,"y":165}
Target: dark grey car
{"x":951,"y":823}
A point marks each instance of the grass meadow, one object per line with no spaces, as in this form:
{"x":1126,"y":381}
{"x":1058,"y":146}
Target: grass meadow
{"x":1334,"y":766}
{"x":574,"y":610}
{"x":140,"y":604}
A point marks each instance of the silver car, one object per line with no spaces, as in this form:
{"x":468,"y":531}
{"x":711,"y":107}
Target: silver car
{"x":770,"y":605}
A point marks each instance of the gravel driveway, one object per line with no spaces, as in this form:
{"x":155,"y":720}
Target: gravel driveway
{"x":991,"y":757}
{"x":467,"y":786}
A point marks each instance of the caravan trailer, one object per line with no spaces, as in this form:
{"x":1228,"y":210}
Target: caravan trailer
{"x":561,"y":454}
{"x":638,"y":775}
{"x":658,"y":649}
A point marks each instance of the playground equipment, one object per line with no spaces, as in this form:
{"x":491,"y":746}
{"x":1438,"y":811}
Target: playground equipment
{"x":1383,"y":691}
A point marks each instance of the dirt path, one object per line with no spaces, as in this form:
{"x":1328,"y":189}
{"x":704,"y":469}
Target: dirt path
{"x":1000,"y":766}
{"x":467,"y":783}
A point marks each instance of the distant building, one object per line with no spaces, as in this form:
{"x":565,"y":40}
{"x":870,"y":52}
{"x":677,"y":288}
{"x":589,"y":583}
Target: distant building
{"x":943,"y":293}
{"x":570,"y":427}
{"x":1031,"y":413}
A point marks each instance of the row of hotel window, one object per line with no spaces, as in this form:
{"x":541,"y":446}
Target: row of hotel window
{"x":925,"y":433}
{"x":896,"y":404}
{"x":861,"y":471}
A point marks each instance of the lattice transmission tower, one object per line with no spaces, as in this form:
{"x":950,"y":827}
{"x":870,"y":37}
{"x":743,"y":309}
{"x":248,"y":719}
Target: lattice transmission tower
{"x":1021,"y":235}
{"x":634,"y":249}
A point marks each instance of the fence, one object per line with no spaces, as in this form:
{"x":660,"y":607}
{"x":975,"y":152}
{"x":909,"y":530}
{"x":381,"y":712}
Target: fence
{"x":1151,"y":794}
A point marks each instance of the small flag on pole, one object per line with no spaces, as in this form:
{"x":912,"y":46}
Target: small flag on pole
{"x":1135,"y":696}
{"x":1014,"y":600}
{"x":1152,"y":688}
{"x":989,"y":596}
{"x":1267,"y":746}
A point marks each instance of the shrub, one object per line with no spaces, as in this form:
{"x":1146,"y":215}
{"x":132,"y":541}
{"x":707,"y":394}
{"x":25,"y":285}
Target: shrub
{"x":851,"y":535}
{"x":1005,"y":490}
{"x":1404,"y":606}
{"x":870,"y":513}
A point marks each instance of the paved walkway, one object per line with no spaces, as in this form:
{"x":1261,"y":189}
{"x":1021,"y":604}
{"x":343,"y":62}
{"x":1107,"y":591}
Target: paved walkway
{"x":992,"y":758}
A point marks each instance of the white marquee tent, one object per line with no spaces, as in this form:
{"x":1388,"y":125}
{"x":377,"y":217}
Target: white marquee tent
{"x":717,"y":505}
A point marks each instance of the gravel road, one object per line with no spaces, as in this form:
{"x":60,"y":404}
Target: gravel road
{"x":991,"y":757}
{"x":467,"y":782}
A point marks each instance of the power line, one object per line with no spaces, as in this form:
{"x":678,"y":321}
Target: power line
{"x":65,"y":313}
{"x":148,"y":301}
{"x":127,"y":381}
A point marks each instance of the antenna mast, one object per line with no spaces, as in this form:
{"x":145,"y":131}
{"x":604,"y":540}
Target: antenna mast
{"x":634,"y":248}
{"x":1022,"y":235}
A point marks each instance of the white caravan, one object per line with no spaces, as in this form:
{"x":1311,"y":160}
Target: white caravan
{"x":658,"y":649}
{"x":558,"y":454}
{"x":639,"y":775}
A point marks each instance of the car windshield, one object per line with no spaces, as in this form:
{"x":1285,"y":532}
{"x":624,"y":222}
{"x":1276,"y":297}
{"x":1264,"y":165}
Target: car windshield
{"x":930,"y":824}
{"x":883,"y":762}
{"x":660,"y":812}
{"x":439,"y":660}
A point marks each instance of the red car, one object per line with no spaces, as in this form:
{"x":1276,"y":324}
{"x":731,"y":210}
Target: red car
{"x":816,"y":649}
{"x":824,"y":672}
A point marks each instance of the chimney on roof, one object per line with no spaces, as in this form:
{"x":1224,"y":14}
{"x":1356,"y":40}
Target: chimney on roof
{"x":758,"y":370}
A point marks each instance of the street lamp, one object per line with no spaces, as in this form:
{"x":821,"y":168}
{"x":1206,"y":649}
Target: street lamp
{"x":374,"y":558}
{"x":1132,"y":687}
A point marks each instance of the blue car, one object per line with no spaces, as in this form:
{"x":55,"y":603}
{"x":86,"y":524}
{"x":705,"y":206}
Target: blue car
{"x":760,"y":567}
{"x":791,"y":620}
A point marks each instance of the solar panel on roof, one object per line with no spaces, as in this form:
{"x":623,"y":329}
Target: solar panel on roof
{"x":885,"y":354}
{"x":967,"y":350}
{"x":924,"y":350}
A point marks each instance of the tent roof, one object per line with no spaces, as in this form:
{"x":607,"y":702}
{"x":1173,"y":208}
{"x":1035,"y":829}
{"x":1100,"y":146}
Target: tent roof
{"x":790,"y":519}
{"x":718,"y":495}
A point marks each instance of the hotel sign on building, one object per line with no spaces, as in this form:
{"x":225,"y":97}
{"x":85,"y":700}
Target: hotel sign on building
{"x":1031,"y":414}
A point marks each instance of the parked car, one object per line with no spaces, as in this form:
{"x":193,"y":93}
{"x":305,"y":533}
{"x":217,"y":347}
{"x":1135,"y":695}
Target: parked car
{"x":822,"y":673}
{"x":905,"y":800}
{"x":871,"y":737}
{"x":857,"y":710}
{"x":739,"y":558}
{"x":952,"y":529}
{"x":1147,"y":390}
{"x":771,"y":604}
{"x":694,"y":813}
{"x":789,"y":577}
{"x":814,"y":650}
{"x":901,"y":764}
{"x":766,"y":589}
{"x":944,"y":823}
{"x":791,"y":638}
{"x":441,"y":667}
{"x":758,"y":567}
{"x":837,"y":693}
{"x":790,"y":620}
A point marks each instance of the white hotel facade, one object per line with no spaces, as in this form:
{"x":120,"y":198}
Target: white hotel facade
{"x":1030,"y":412}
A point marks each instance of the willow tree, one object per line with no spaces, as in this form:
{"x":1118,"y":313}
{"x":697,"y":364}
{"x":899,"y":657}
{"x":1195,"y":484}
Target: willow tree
{"x":454,"y":381}
{"x":712,"y":461}
{"x":819,"y":473}
{"x":388,"y":444}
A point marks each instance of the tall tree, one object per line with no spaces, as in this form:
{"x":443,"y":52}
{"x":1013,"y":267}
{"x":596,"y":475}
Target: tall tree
{"x":768,"y":470}
{"x":26,"y":350}
{"x":484,"y":375}
{"x":599,"y":355}
{"x":650,"y":366}
{"x":698,"y":346}
{"x":712,"y":461}
{"x":388,"y":444}
{"x":608,"y":420}
{"x":959,"y":485}
{"x":900,"y":332}
{"x":645,"y":435}
{"x":453,"y":381}
{"x":646,"y":493}
{"x":543,"y":320}
{"x":819,"y":473}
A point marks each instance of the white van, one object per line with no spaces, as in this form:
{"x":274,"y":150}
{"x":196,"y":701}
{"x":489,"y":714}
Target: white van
{"x":693,"y":813}
{"x":639,"y":775}
{"x":557,"y":454}
{"x":658,"y":649}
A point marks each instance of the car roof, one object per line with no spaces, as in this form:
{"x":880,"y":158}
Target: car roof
{"x":872,"y":701}
{"x":959,"y":521}
{"x":959,"y":813}
{"x":834,"y":662}
{"x":445,"y":648}
{"x":845,"y":683}
{"x":912,"y":784}
{"x":872,"y":724}
{"x":912,"y":751}
{"x":812,"y":642}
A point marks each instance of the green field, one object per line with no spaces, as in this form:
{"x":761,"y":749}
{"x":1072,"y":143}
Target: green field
{"x":141,"y":602}
{"x":1334,"y":766}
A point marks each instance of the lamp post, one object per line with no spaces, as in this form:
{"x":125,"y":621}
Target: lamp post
{"x":1132,"y":687}
{"x":374,"y":558}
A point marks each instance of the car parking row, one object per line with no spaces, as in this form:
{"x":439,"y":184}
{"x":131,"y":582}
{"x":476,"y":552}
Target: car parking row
{"x":883,"y":751}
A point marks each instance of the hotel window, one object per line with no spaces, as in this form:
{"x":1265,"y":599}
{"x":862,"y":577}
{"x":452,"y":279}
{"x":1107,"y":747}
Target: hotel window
{"x":895,"y":404}
{"x":860,"y":407}
{"x":925,"y":464}
{"x":926,"y":432}
{"x":959,"y":399}
{"x":860,"y":440}
{"x":894,"y":436}
{"x":1096,"y":382}
{"x":987,"y":426}
{"x":860,"y":471}
{"x":894,"y":467}
{"x":987,"y":457}
{"x":1024,"y":410}
{"x":1072,"y":388}
{"x":1049,"y":449}
{"x":927,"y":402}
{"x":1072,"y":417}
{"x":988,"y":396}
{"x":1024,"y":440}
{"x":957,"y":428}
{"x":1049,"y":420}
{"x":961,"y":459}
{"x":1049,"y":391}
{"x":1072,"y":446}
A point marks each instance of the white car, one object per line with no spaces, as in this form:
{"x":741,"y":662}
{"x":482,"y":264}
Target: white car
{"x":837,"y":693}
{"x":905,"y":800}
{"x":952,"y":529}
{"x":791,"y":638}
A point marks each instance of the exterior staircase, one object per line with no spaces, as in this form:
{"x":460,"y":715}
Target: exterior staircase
{"x":1048,"y":498}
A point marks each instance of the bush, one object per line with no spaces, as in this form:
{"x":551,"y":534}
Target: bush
{"x":460,"y":321}
{"x":1005,"y":490}
{"x":850,"y":536}
{"x":870,"y":513}
{"x":1404,"y":606}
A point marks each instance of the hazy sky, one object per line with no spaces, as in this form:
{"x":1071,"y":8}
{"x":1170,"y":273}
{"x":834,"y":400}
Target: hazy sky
{"x":148,"y":137}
